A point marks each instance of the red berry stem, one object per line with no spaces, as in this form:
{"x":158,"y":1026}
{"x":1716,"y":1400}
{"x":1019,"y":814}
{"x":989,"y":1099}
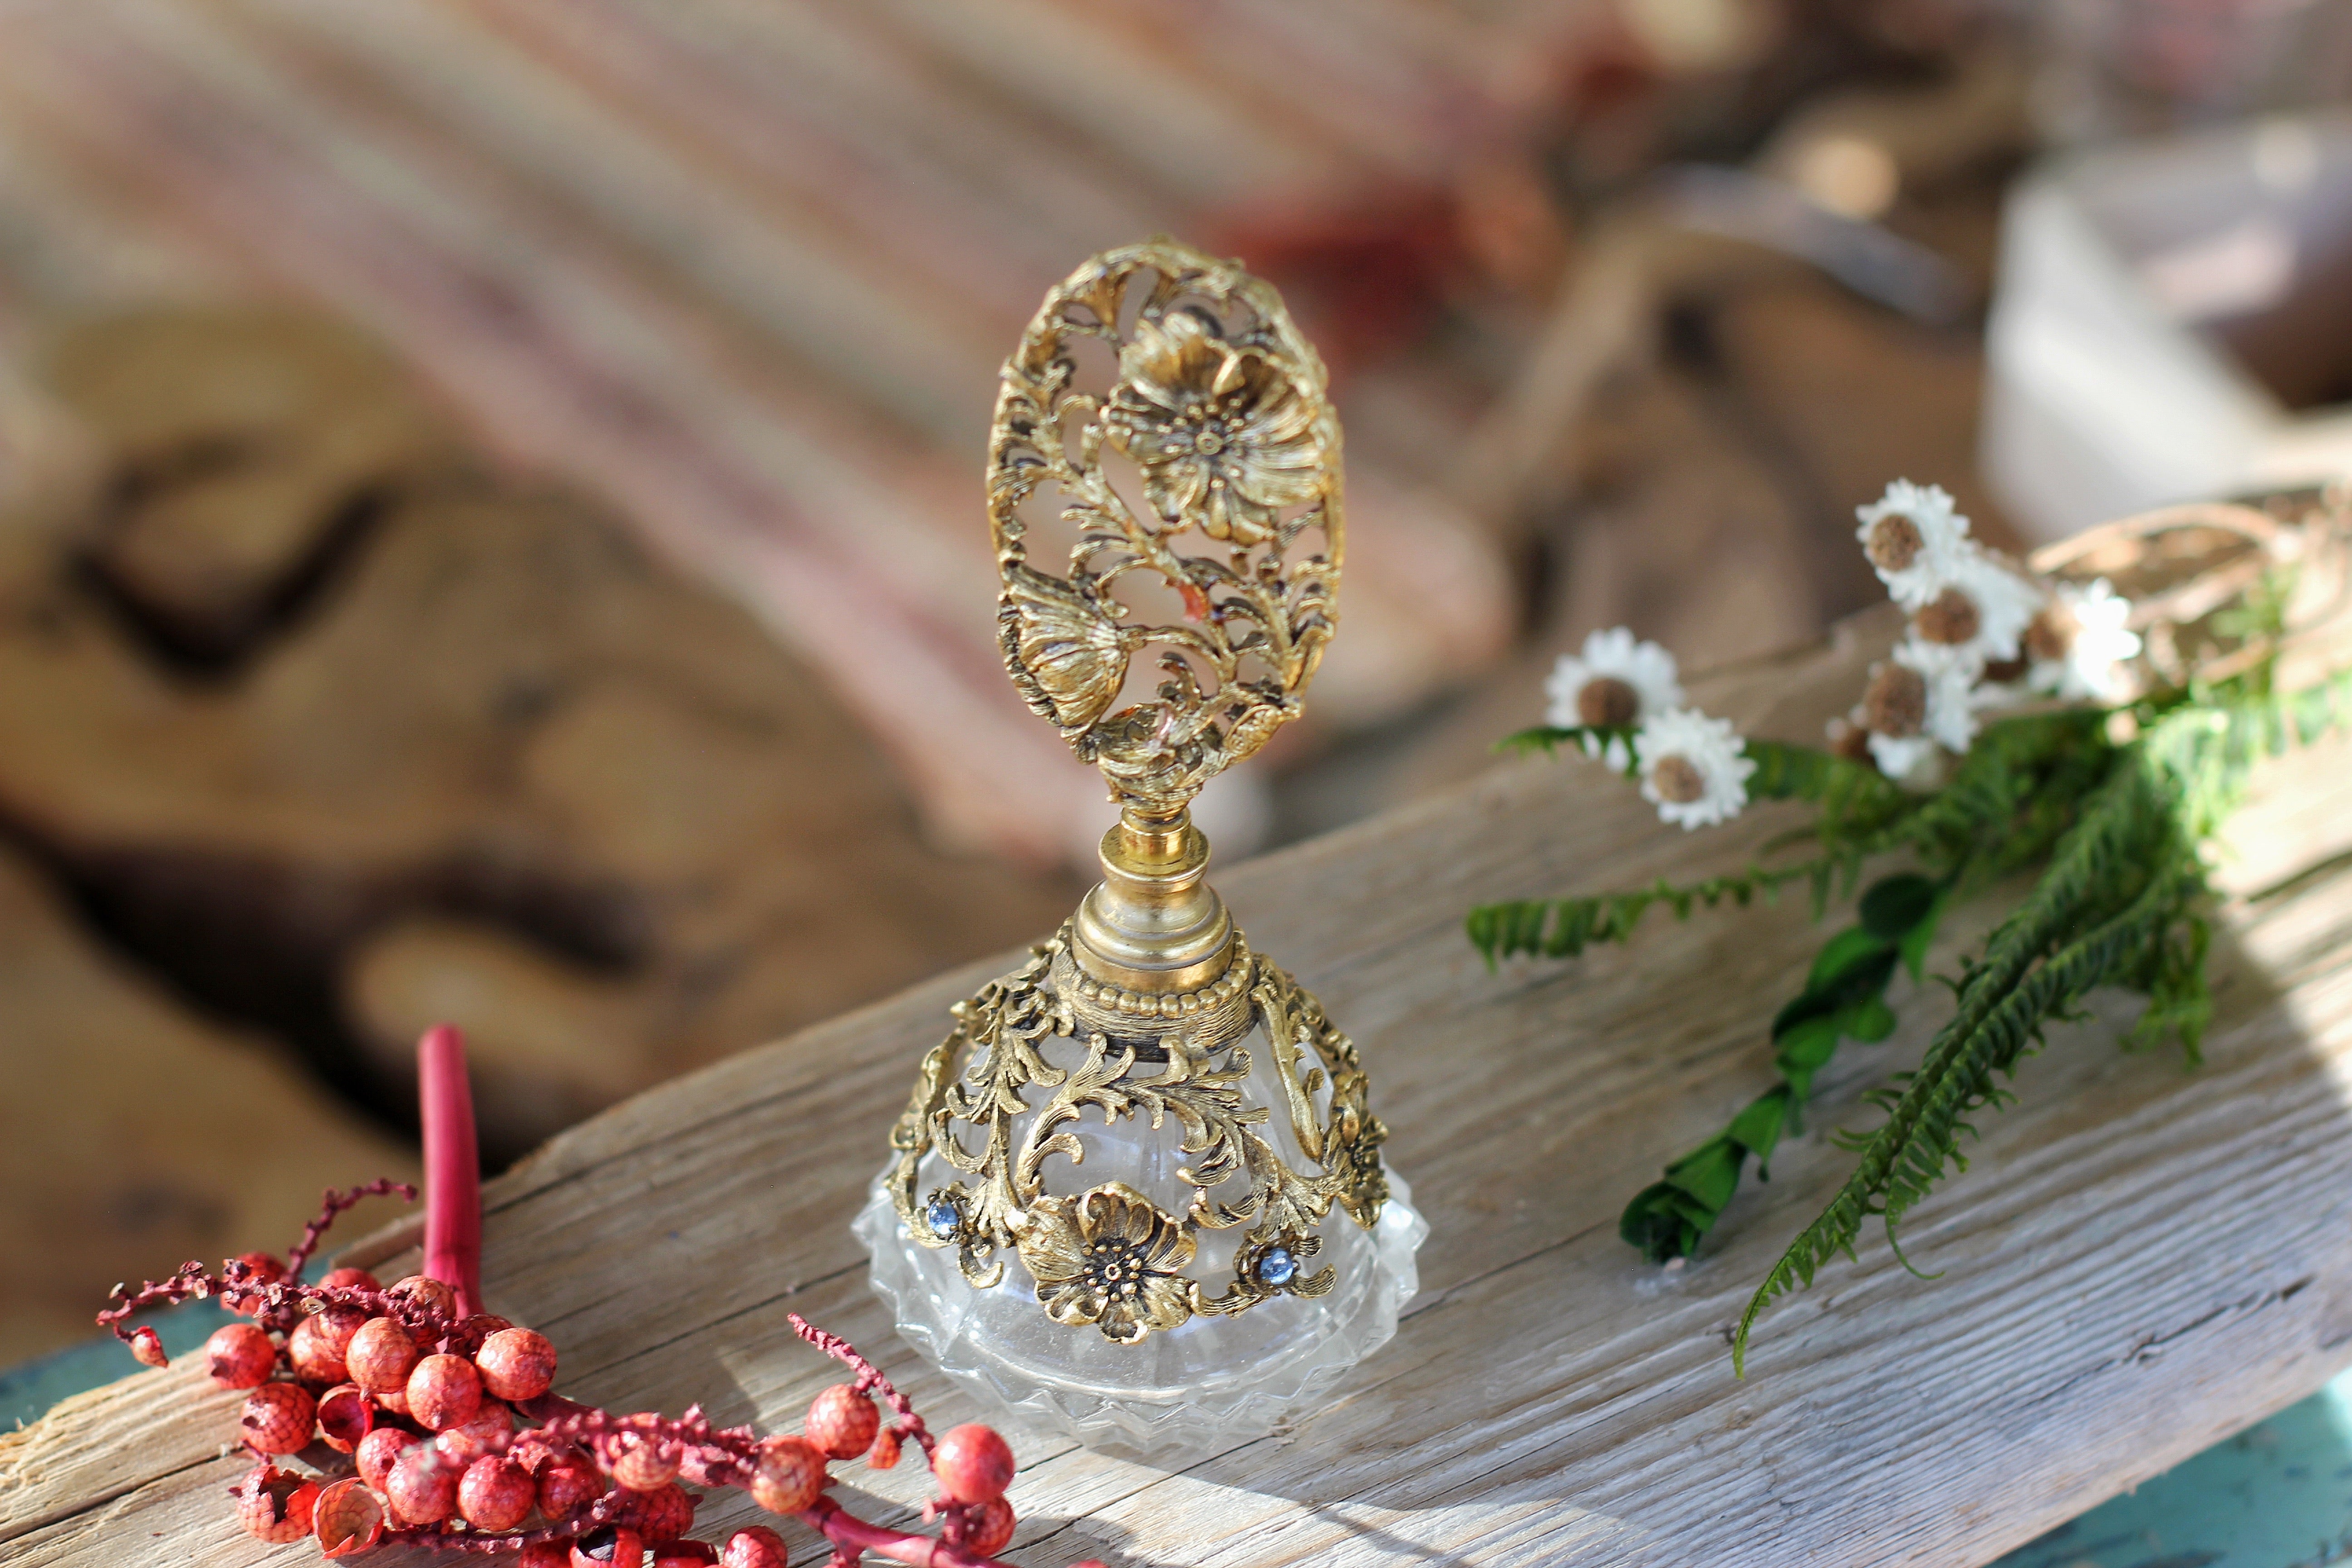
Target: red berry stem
{"x":190,"y":1283}
{"x":336,"y":1202}
{"x":285,"y":1305}
{"x":282,"y":1305}
{"x":851,"y":1535}
{"x":453,"y":1167}
{"x":714,"y":1456}
{"x":438,"y":1538}
{"x":869,"y":1378}
{"x":286,"y":1298}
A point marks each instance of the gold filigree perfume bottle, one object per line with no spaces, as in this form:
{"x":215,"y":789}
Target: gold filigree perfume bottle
{"x":1138,"y":1195}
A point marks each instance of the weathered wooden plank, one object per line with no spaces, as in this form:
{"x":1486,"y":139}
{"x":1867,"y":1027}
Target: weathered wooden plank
{"x":2140,"y":1261}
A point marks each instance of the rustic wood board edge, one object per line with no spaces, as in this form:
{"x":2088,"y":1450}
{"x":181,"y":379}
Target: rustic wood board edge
{"x":2140,"y":1262}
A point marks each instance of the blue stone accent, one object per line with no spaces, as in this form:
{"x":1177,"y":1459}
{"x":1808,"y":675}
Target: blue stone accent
{"x":1276,"y":1267}
{"x":944,"y":1218}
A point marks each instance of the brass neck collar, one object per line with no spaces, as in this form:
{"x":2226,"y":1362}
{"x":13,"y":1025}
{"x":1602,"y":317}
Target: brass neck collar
{"x":1152,"y":925}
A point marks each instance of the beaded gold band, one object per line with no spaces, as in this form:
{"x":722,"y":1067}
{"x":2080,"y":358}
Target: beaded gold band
{"x":1216,"y":1013}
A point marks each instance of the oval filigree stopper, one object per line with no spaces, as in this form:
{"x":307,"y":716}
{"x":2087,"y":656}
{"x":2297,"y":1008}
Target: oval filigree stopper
{"x":1221,"y":411}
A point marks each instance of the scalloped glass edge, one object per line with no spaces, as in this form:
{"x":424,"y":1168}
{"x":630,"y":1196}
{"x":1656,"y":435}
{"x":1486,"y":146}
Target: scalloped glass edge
{"x":931,"y":1303}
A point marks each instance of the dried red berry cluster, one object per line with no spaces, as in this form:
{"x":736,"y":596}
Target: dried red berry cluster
{"x":430,"y":1426}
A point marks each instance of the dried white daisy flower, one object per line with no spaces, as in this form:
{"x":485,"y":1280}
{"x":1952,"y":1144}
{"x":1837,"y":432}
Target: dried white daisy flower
{"x":2079,"y":644}
{"x":1617,"y":682}
{"x":1916,"y":700}
{"x":1695,"y":769}
{"x":1915,"y":540}
{"x":1978,"y":616}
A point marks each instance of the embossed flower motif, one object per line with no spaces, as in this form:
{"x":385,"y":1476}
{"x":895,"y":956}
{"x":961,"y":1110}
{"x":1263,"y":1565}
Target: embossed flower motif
{"x":1108,"y":1257}
{"x":1222,"y":435}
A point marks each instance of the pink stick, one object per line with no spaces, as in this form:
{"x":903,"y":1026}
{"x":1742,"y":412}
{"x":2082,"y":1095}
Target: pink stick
{"x":453,"y":1167}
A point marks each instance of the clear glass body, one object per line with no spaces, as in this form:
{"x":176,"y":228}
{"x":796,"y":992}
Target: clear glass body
{"x":1208,"y":1382}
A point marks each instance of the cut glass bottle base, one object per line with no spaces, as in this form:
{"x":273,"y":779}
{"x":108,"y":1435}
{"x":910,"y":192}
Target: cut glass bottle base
{"x":1196,"y":1389}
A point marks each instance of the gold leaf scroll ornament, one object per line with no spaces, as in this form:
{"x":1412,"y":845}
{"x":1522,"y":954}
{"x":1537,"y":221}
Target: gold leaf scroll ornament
{"x":1224,"y":410}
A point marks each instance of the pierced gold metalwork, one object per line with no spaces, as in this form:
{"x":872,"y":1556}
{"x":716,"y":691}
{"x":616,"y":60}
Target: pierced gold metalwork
{"x":1222,"y":409}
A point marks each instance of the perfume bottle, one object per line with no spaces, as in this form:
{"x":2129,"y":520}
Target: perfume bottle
{"x":1137,"y":1194}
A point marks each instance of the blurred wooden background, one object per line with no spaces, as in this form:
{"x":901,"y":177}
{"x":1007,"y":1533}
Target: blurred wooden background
{"x":492,"y":503}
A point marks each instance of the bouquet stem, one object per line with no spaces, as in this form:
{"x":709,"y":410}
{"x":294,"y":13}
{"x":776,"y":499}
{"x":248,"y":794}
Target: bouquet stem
{"x":453,"y":1167}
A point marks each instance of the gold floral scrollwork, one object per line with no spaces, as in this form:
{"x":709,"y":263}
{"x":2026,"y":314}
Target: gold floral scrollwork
{"x":1222,"y":408}
{"x":1349,"y":1142}
{"x":990,"y":1106}
{"x":997,"y":1030}
{"x":1223,"y":431}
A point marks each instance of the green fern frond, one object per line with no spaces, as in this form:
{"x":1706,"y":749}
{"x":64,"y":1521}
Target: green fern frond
{"x":2207,"y":749}
{"x":2008,"y":798}
{"x":2068,"y":937}
{"x":1563,"y":928}
{"x":1592,"y":740}
{"x":1906,"y":1157}
{"x":1855,"y":799}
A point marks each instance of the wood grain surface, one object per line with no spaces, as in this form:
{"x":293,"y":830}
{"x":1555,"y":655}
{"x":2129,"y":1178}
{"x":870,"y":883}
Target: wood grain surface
{"x":2140,"y":1260}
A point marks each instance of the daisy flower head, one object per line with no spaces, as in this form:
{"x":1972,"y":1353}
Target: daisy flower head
{"x":1978,"y":615}
{"x":1616,"y":682}
{"x":1694,"y":769}
{"x":2079,"y":644}
{"x":1914,"y":537}
{"x":1919,"y":701}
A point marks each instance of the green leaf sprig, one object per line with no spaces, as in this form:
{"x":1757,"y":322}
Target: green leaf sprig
{"x":1845,"y":998}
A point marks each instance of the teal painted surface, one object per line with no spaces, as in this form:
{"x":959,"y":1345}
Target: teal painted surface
{"x":2277,"y":1495}
{"x":28,"y":1390}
